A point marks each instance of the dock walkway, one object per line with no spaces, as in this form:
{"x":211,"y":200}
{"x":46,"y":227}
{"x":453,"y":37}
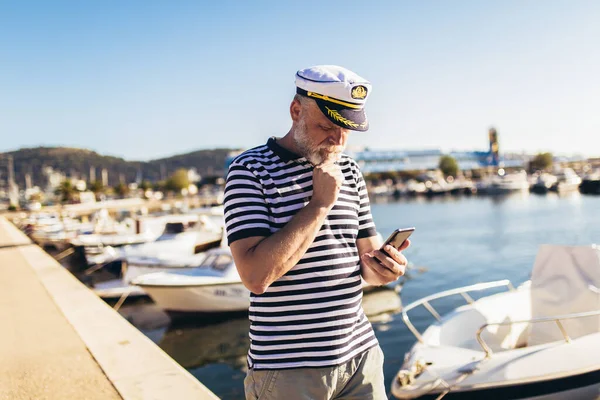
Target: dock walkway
{"x":58,"y":340}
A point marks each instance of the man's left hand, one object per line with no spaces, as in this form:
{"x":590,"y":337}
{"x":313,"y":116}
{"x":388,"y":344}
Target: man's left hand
{"x":385,"y":268}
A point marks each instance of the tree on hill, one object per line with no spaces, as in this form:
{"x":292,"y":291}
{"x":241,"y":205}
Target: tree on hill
{"x":448,"y":166}
{"x":97,"y":187}
{"x":178,"y":181}
{"x":121,"y":189}
{"x":159,"y":186}
{"x":541,"y":162}
{"x":145,"y":185}
{"x":66,"y":191}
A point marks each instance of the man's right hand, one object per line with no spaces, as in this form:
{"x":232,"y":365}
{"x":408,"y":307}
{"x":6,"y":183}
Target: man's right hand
{"x":327,"y":182}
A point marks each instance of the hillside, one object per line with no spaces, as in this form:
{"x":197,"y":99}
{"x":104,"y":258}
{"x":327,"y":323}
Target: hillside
{"x":77,"y":163}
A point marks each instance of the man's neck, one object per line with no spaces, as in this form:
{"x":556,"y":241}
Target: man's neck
{"x":287,"y":142}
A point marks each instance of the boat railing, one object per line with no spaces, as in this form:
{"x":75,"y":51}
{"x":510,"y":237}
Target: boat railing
{"x":556,"y":319}
{"x":463,"y":291}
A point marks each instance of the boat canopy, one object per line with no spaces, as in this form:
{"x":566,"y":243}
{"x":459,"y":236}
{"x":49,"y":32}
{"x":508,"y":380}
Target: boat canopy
{"x":565,"y":280}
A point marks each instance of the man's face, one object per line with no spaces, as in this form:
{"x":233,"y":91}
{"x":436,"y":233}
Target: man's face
{"x":318,"y":139}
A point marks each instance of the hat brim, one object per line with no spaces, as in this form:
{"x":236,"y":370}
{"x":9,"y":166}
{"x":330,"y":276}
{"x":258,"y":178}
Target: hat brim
{"x":347,"y":118}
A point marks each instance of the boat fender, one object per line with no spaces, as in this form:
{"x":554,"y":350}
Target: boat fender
{"x":406,"y":377}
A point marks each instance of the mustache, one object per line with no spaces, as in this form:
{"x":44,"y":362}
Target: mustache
{"x":334,"y":156}
{"x":332,"y":149}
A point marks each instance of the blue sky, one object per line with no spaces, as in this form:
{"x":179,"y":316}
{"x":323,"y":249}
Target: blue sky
{"x":147,"y":79}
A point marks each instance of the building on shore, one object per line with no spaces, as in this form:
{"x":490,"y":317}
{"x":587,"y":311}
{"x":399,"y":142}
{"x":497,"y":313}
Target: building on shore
{"x":377,"y":161}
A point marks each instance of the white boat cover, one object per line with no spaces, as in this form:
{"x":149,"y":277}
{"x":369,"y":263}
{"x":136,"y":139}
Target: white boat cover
{"x":565,"y":280}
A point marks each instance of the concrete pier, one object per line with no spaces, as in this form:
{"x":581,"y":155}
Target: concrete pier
{"x":58,"y":340}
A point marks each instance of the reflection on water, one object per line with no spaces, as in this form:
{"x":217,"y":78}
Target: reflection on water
{"x":223,"y":339}
{"x":459,"y":241}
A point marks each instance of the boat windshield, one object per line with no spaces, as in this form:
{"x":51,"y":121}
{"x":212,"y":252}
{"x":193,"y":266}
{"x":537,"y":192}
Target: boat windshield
{"x":218,"y":262}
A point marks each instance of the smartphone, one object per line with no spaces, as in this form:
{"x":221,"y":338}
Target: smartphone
{"x":397,"y":238}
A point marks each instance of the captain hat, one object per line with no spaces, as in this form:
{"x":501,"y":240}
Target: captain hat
{"x":340,"y":94}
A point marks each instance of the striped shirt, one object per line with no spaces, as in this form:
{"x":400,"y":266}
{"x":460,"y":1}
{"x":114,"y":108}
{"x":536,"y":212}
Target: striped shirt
{"x":312,"y":316}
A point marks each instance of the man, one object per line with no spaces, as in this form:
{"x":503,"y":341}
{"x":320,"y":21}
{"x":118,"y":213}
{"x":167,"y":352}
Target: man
{"x":300,"y":229}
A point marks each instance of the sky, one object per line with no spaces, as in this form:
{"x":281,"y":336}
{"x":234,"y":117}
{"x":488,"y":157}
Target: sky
{"x":148,"y":79}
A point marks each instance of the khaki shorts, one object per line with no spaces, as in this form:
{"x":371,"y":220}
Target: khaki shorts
{"x":359,"y":378}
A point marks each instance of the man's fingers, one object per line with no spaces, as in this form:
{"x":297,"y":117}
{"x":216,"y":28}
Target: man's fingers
{"x":395,"y":255}
{"x":384,"y":264}
{"x":384,"y":273}
{"x":404,"y":245}
{"x":385,"y":259}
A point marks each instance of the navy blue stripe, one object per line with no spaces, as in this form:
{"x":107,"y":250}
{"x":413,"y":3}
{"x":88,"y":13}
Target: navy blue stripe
{"x":309,"y":260}
{"x":246,"y":233}
{"x":303,"y":312}
{"x":308,"y":271}
{"x":308,"y":291}
{"x":365,"y":233}
{"x":299,"y":322}
{"x":314,"y":279}
{"x":311,"y":300}
{"x":252,"y":224}
{"x":234,"y":214}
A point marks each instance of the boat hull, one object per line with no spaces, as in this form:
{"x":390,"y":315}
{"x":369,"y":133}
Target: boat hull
{"x":215,"y":298}
{"x":580,"y":386}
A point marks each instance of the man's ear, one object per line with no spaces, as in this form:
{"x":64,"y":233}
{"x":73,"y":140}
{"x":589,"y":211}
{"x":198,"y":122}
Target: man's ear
{"x":295,"y":110}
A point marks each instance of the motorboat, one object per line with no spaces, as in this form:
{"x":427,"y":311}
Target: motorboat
{"x":435,"y":184}
{"x":544,"y":183}
{"x":414,"y":187}
{"x":136,"y":266}
{"x":567,"y":180}
{"x":504,"y":183}
{"x":180,"y":247}
{"x":539,"y":341}
{"x":213,"y":286}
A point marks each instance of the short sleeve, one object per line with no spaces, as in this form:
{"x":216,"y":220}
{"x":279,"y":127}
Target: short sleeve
{"x":246,"y":212}
{"x":366,"y":226}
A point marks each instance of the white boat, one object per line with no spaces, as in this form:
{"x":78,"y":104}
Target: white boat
{"x":115,"y":289}
{"x":504,"y":183}
{"x":101,"y":248}
{"x":133,"y":267}
{"x":52,"y":230}
{"x":567,"y":180}
{"x":182,"y":238}
{"x":540,"y":341}
{"x":214,"y":286}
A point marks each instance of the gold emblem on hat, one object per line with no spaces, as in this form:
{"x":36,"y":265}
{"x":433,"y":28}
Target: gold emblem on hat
{"x":359,"y":92}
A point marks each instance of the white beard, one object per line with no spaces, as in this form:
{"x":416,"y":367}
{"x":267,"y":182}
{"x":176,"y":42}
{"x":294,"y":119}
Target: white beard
{"x":309,"y":150}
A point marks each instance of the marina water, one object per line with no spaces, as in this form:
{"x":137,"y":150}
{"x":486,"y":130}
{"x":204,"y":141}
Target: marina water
{"x":458,"y":241}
